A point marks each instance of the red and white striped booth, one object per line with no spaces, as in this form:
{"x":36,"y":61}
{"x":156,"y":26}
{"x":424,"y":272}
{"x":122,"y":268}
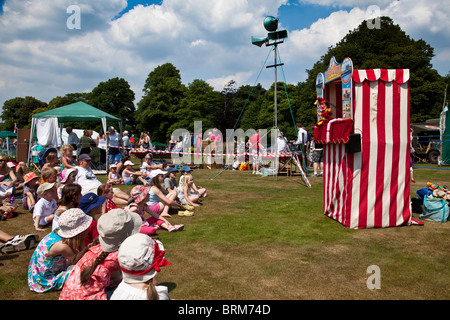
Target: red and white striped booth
{"x":369,"y":187}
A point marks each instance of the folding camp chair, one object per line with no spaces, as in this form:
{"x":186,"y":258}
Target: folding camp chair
{"x":34,"y":164}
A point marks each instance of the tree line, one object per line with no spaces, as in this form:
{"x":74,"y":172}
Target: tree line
{"x":167,"y":104}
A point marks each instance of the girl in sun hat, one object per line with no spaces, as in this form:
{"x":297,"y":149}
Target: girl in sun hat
{"x":140,"y":258}
{"x":139,"y":197}
{"x":67,"y":176}
{"x":49,"y":265}
{"x":30,"y":196}
{"x":97,"y":273}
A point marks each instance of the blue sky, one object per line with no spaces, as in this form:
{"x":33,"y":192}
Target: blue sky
{"x":204,"y":39}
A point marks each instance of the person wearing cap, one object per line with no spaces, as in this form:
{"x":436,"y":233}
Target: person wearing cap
{"x":114,"y":142}
{"x":184,"y":171}
{"x":138,"y":203}
{"x":97,"y":273}
{"x":30,"y":196}
{"x":92,"y":204}
{"x":140,"y":259}
{"x":131,"y":176}
{"x":170,"y":180}
{"x":49,"y":266}
{"x":85,"y":177}
{"x":44,"y":210}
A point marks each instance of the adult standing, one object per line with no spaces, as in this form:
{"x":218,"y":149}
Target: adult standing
{"x":115,"y":141}
{"x":85,"y":142}
{"x":303,"y":140}
{"x":254,"y":144}
{"x":125,"y":143}
{"x":101,"y":141}
{"x":72,"y":138}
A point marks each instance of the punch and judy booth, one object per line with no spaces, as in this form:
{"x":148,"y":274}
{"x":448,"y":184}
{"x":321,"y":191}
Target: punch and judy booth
{"x":365,"y":133}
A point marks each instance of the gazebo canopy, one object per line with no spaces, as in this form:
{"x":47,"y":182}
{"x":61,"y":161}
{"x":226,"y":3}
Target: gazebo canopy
{"x":78,"y":111}
{"x":9,"y":134}
{"x":75,"y":112}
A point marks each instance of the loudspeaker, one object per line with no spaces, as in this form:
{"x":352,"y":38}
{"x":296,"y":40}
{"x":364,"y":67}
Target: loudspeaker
{"x":354,"y":143}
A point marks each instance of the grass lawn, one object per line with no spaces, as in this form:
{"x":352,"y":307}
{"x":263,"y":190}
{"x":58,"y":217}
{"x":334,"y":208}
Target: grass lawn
{"x":259,"y":238}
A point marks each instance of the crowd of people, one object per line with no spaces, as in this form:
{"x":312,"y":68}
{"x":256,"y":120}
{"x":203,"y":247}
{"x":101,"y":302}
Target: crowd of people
{"x":97,"y":240}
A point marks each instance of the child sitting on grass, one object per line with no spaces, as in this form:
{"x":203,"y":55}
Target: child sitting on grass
{"x":48,"y":269}
{"x":113,"y":175}
{"x":107,"y":191}
{"x":8,"y":207}
{"x":138,"y":203}
{"x":130,"y":176}
{"x":44,"y":210}
{"x":51,"y":161}
{"x":188,"y":192}
{"x":70,"y":197}
{"x":67,"y":159}
{"x":30,"y":196}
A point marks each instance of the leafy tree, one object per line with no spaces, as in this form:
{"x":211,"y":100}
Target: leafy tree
{"x":247,"y":100}
{"x":388,"y":47}
{"x":163,"y":92}
{"x":69,"y":98}
{"x":199,"y":99}
{"x":116,"y":98}
{"x":19,"y":111}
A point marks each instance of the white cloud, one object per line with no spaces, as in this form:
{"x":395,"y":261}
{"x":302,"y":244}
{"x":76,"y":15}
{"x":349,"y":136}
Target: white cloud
{"x":204,"y":39}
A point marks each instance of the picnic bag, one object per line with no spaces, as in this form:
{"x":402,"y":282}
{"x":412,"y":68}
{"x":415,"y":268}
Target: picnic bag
{"x":435,"y":209}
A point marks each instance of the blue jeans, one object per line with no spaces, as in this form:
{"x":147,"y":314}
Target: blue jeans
{"x":114,"y":158}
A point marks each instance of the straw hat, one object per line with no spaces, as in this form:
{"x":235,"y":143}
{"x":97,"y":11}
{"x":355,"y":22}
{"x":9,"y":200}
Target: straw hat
{"x":73,"y":222}
{"x":140,"y":258}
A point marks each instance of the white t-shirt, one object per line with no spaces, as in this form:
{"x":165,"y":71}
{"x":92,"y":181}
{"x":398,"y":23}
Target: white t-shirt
{"x":126,"y":292}
{"x":302,"y":132}
{"x":114,"y":140}
{"x":87,"y":180}
{"x":44,"y":208}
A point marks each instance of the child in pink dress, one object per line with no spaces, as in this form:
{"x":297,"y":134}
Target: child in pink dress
{"x":97,"y":273}
{"x":138,"y":204}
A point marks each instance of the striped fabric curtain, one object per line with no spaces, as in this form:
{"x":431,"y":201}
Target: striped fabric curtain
{"x":371,"y":188}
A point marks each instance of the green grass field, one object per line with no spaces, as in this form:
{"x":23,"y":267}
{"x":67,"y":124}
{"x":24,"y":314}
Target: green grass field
{"x":261,"y":238}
